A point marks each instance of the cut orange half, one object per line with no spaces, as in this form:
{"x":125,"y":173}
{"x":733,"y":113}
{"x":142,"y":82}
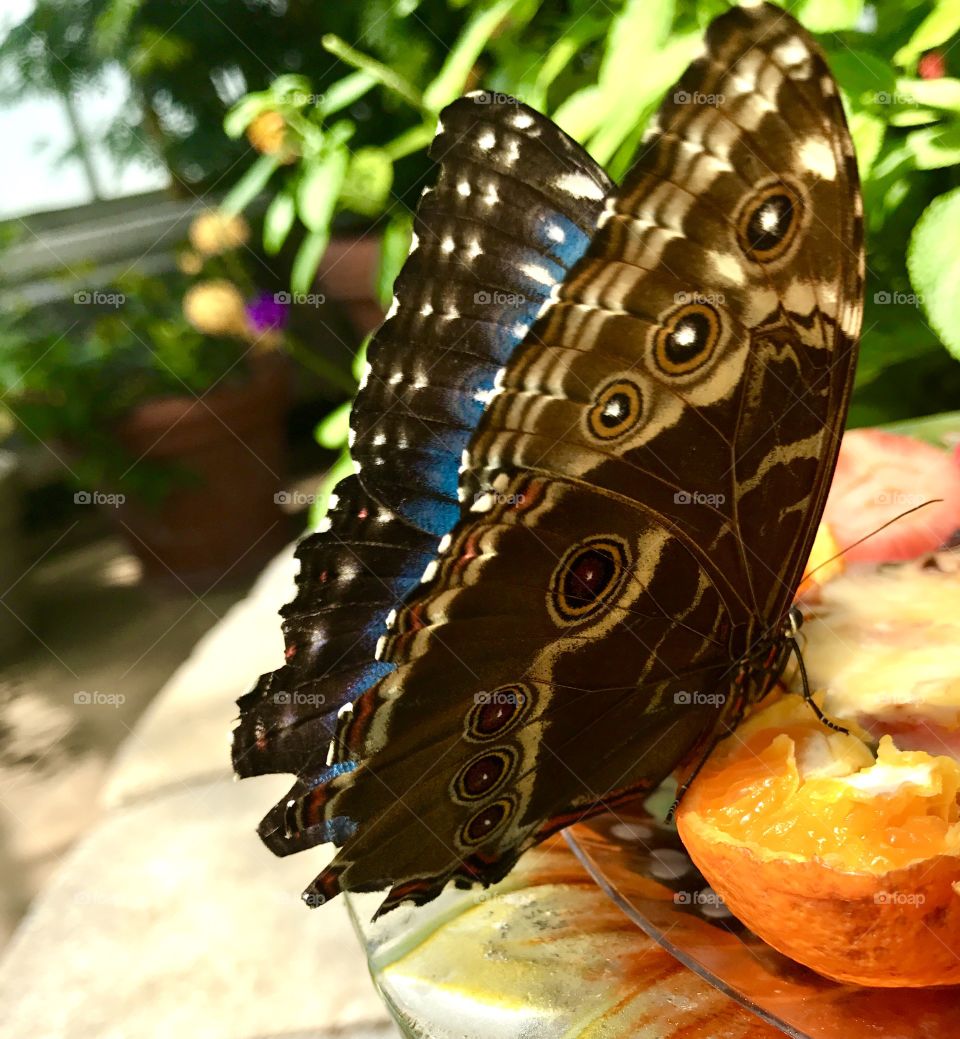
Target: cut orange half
{"x":847,"y":863}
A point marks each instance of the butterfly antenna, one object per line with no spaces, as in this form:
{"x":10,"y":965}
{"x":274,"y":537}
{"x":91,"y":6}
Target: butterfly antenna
{"x":866,"y":537}
{"x":794,"y":643}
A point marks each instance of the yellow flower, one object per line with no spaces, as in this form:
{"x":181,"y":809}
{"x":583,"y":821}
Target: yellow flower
{"x":214,"y":232}
{"x":268,"y":133}
{"x":215,"y":307}
{"x":189,"y":262}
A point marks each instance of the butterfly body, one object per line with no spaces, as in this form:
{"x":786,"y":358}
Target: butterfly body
{"x":636,"y":494}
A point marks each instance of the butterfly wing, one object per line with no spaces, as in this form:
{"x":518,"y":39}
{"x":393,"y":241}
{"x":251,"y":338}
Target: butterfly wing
{"x":515,"y":204}
{"x":642,"y":490}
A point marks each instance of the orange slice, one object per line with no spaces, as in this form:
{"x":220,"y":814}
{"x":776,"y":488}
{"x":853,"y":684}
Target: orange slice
{"x":846,"y":863}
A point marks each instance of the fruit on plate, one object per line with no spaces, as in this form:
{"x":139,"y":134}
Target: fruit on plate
{"x":847,"y":865}
{"x":842,"y":850}
{"x":884,"y":644}
{"x":881,"y":475}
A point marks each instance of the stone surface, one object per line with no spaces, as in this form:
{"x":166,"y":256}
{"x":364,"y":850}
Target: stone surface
{"x":184,"y":734}
{"x":171,"y":919}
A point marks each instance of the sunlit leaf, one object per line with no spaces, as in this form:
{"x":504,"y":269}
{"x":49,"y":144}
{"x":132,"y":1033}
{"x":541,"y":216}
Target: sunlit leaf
{"x":394,"y":249}
{"x":935,"y":146}
{"x":934,"y":264}
{"x":319,"y":189}
{"x":331,"y":432}
{"x":450,"y":81}
{"x":940,"y":25}
{"x":308,"y":259}
{"x":277,"y":222}
{"x":250,"y":184}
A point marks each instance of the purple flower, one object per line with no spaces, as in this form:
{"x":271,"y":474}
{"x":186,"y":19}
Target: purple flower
{"x":268,"y":310}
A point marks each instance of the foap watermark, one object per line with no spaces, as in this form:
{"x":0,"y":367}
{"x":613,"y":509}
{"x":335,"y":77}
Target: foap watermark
{"x":300,"y":299}
{"x":493,"y":97}
{"x":698,"y":498}
{"x":302,"y":99}
{"x":697,"y":698}
{"x":697,"y":97}
{"x":700,"y":898}
{"x":96,"y":298}
{"x":294,"y":499}
{"x":500,"y":698}
{"x":893,"y":97}
{"x":512,"y":299}
{"x":708,"y":299}
{"x":902,"y":499}
{"x":298,"y":699}
{"x":85,"y":698}
{"x":114,"y":501}
{"x":899,"y":898}
{"x":499,"y":498}
{"x":898,"y":299}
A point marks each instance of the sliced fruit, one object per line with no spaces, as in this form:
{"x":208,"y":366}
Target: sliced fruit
{"x":847,"y":864}
{"x":824,"y":564}
{"x":882,"y":475}
{"x":884,"y":645}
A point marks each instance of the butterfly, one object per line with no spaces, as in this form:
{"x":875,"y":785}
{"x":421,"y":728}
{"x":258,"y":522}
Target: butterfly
{"x":592,"y":447}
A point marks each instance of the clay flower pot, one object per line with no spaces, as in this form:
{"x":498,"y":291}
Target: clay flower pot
{"x":222,"y":518}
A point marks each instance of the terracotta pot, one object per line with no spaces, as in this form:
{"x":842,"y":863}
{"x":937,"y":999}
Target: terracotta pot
{"x":348,"y":274}
{"x":223,"y":519}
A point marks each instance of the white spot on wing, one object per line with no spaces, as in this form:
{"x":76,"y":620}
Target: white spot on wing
{"x":817,"y":157}
{"x":426,"y":310}
{"x":579,"y":185}
{"x":394,"y":307}
{"x":463,"y":188}
{"x":556,"y":233}
{"x":538,"y":273}
{"x":487,"y":140}
{"x":430,"y":572}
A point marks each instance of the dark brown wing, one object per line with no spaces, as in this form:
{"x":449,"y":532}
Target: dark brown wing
{"x":642,"y":490}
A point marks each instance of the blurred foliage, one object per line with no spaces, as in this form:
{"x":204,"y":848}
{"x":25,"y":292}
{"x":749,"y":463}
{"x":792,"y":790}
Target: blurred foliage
{"x":600,"y":71}
{"x":188,"y":62}
{"x":69,"y":380}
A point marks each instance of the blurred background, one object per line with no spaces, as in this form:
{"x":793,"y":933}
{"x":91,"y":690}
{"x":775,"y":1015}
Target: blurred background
{"x":203,"y":205}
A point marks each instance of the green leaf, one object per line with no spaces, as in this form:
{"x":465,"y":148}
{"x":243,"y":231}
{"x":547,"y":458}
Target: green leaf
{"x":319,"y":189}
{"x":475,"y":35}
{"x":936,"y":93}
{"x":828,"y":15}
{"x":345,"y":91}
{"x":940,"y":25}
{"x":381,"y":73}
{"x":629,"y":105}
{"x":571,"y":41}
{"x":292,"y":88}
{"x":369,"y":178}
{"x":243,"y":113}
{"x":341,"y":468}
{"x":250,"y":184}
{"x":865,"y":79}
{"x":933,"y":261}
{"x":360,"y":359}
{"x":394,"y":249}
{"x":308,"y":259}
{"x":331,"y":432}
{"x":935,"y":146}
{"x":277,"y":222}
{"x":636,"y":32}
{"x":867,"y":131}
{"x":580,"y":114}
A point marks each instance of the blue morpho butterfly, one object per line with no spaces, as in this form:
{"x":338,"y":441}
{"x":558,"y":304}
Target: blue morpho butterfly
{"x":592,"y":447}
